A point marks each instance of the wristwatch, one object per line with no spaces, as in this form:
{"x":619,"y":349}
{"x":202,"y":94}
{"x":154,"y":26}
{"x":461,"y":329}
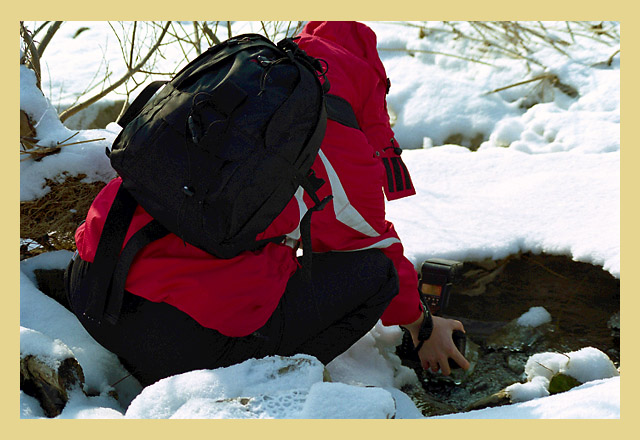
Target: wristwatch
{"x":427,"y":325}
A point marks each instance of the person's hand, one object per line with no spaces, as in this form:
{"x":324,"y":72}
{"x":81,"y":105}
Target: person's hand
{"x":436,"y":351}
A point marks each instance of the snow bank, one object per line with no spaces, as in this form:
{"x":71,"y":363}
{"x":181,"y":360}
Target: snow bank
{"x":273,"y":387}
{"x":49,"y":328}
{"x":585,"y":365}
{"x":499,"y":202}
{"x":85,"y":158}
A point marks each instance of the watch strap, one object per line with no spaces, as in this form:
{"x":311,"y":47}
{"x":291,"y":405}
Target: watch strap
{"x":426,"y":327}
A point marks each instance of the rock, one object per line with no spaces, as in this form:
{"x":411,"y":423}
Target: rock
{"x":427,"y":404}
{"x":614,"y":322}
{"x":500,"y":398}
{"x":517,"y":338}
{"x":516,"y":362}
{"x":477,"y":275}
{"x":614,"y":326}
{"x":49,"y":385}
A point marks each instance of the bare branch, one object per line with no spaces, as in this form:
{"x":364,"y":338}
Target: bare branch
{"x":130,"y":72}
{"x":133,"y":39}
{"x":42,"y":26}
{"x":210,"y":34}
{"x":48,"y":36}
{"x":197,"y":38}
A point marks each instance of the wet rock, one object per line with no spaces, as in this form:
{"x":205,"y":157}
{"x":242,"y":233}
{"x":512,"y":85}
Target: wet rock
{"x":498,"y":399}
{"x":50,"y":385}
{"x":614,"y":322}
{"x":517,"y":338}
{"x":614,"y":326}
{"x":516,"y":362}
{"x":428,"y":404}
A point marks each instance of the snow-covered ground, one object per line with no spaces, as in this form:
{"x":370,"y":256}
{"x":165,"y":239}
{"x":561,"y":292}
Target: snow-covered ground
{"x":546,"y":180}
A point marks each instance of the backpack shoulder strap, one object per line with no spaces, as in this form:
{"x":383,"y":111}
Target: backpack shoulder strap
{"x":106,"y":278}
{"x":98,"y":279}
{"x":152,"y":231}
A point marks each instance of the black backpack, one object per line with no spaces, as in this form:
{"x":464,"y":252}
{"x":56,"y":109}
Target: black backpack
{"x":215,"y":156}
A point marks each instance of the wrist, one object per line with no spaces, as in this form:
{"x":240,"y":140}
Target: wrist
{"x":414,"y":327}
{"x":426,"y":327}
{"x":421,"y":329}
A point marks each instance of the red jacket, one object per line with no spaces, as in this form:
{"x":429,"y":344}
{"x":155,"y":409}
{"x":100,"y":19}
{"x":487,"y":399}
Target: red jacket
{"x":237,"y":296}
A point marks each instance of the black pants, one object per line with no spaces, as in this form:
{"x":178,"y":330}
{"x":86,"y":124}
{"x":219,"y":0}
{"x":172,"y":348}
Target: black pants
{"x":321,"y":316}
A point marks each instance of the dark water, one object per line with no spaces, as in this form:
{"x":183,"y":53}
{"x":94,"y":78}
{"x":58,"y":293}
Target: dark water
{"x":582,"y":299}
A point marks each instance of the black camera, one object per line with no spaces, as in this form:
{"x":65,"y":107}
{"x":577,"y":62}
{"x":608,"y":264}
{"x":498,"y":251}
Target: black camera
{"x":437,"y":276}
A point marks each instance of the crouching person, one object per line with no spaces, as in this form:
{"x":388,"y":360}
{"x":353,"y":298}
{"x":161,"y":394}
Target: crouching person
{"x":184,"y":309}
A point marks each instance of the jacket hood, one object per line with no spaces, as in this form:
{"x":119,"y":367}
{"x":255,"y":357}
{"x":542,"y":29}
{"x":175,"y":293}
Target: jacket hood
{"x":356,"y":38}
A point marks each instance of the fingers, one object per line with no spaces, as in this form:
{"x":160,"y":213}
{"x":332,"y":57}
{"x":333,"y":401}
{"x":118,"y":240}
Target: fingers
{"x":457,"y":325}
{"x":436,"y":365}
{"x":460,"y":360}
{"x":444,"y":367}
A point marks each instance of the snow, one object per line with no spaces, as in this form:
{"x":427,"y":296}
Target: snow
{"x":586,"y":365}
{"x":598,"y":399}
{"x":545,"y":179}
{"x":534,"y":317}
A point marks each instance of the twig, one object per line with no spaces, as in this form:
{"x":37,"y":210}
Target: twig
{"x":210,"y":34}
{"x":38,"y":151}
{"x":546,"y":268}
{"x":179,"y":41}
{"x":502,"y":48}
{"x":118,"y":381}
{"x":435,"y":53}
{"x":69,"y":138}
{"x":543,"y":366}
{"x":196,"y":37}
{"x":537,"y":78}
{"x":42,"y":26}
{"x":546,"y":39}
{"x":573,"y":39}
{"x":133,"y":39}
